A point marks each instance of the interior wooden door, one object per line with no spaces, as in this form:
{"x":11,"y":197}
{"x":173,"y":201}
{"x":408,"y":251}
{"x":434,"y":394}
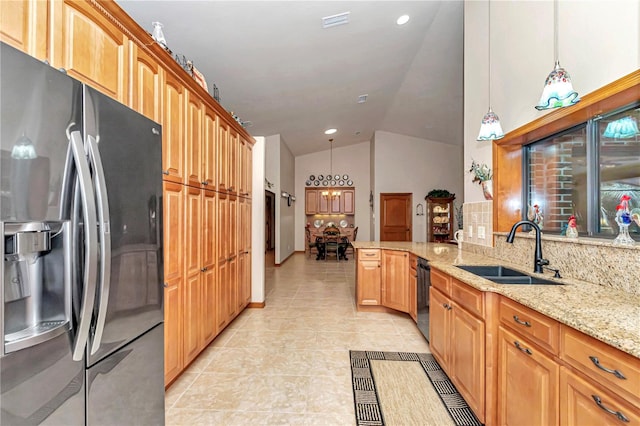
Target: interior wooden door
{"x":395,"y":217}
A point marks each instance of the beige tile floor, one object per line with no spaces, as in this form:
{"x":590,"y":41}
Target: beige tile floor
{"x":289,"y":362}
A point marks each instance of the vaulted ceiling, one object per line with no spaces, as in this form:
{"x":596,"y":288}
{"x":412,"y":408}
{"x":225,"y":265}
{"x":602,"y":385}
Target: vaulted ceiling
{"x":277,"y":68}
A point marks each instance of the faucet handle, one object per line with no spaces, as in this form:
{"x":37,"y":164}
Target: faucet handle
{"x":542,"y":262}
{"x":556,"y":274}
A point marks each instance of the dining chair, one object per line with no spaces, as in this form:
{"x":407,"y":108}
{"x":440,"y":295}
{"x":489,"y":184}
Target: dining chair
{"x":311,"y":243}
{"x":331,"y":237}
{"x":350,"y":248}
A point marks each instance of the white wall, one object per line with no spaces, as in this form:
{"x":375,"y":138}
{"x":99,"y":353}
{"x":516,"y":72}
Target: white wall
{"x":352,"y":160}
{"x":408,"y":164}
{"x":286,"y":219}
{"x":598,"y":42}
{"x":257,"y":222}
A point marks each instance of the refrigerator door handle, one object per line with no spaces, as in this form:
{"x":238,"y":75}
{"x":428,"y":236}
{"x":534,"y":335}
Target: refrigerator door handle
{"x":90,"y":243}
{"x":105,"y":241}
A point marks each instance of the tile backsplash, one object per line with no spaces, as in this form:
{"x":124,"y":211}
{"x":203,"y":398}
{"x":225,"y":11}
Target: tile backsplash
{"x":478,"y":223}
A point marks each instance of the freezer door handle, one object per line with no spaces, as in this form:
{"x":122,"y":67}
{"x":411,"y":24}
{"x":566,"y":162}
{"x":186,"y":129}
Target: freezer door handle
{"x":105,"y":241}
{"x":90,"y":243}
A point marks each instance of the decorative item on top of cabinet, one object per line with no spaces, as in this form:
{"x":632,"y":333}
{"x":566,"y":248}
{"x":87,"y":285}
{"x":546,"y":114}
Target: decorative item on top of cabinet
{"x":439,"y":217}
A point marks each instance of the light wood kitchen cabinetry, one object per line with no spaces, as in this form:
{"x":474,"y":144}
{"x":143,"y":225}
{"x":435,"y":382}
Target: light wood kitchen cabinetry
{"x":413,"y":287}
{"x":600,"y":383}
{"x":90,"y":47}
{"x":457,"y":336}
{"x":146,"y":96}
{"x":317,"y":203}
{"x":310,"y":201}
{"x":24,"y":25}
{"x":173,"y":139}
{"x":99,"y":44}
{"x":244,"y":253}
{"x":527,"y":382}
{"x":395,"y":280}
{"x":348,"y":201}
{"x":368,"y":277}
{"x":193,"y":149}
{"x":173,"y":275}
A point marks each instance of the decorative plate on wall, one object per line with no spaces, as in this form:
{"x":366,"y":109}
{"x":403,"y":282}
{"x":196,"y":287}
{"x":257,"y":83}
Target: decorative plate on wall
{"x":341,"y":183}
{"x":343,"y":223}
{"x":333,"y":183}
{"x":345,"y":177}
{"x":320,"y":177}
{"x":308,"y":183}
{"x":316,"y":183}
{"x":325,"y":183}
{"x":337,"y":177}
{"x":350,"y":182}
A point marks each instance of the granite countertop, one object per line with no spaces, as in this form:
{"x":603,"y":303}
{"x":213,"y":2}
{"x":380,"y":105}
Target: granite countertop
{"x":609,"y":315}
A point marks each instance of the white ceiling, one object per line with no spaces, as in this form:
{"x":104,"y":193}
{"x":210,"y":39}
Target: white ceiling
{"x":277,"y":68}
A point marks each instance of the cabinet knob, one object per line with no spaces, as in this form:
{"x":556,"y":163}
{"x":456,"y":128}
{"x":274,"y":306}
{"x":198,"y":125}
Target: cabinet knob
{"x":165,"y":285}
{"x":204,"y":182}
{"x":165,"y":172}
{"x":203,"y":269}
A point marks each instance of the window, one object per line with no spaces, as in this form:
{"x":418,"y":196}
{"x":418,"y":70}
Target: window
{"x":584,"y":171}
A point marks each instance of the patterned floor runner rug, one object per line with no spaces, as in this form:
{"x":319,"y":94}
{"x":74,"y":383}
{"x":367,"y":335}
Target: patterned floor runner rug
{"x":403,"y":388}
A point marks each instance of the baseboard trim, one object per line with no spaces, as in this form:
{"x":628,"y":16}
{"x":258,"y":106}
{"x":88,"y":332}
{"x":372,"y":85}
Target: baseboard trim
{"x":277,"y":265}
{"x":256,"y":305}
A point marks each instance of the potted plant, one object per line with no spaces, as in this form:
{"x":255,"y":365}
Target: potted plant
{"x":438,"y":194}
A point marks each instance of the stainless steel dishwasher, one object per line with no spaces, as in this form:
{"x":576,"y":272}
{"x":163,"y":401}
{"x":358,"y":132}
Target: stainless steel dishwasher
{"x":424,"y":282}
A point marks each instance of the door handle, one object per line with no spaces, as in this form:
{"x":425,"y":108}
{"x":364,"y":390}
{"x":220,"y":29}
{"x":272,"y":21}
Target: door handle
{"x":105,"y":241}
{"x":90,"y":242}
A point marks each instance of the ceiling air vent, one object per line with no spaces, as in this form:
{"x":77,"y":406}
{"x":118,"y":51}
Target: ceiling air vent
{"x":362,"y":99}
{"x":335,"y":20}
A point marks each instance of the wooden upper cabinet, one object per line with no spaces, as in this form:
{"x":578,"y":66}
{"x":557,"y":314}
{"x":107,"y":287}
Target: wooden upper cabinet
{"x":245,"y":164}
{"x":24,"y":24}
{"x":233,"y":158}
{"x":90,"y":47}
{"x":248,"y":165}
{"x":146,"y":94}
{"x":348,"y":200}
{"x":311,"y":201}
{"x":193,"y":142}
{"x":222,"y":160}
{"x":173,"y":129}
{"x":335,"y":203}
{"x":209,"y":148}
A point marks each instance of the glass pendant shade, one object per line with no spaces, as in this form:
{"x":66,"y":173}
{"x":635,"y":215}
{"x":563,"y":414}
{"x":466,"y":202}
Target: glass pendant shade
{"x":558,"y":90}
{"x":23,"y":149}
{"x":624,"y":128}
{"x":490,"y":129}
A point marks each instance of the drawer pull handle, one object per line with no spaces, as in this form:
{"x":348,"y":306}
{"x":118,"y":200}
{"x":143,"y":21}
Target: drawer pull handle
{"x":370,"y":254}
{"x":447,"y":306}
{"x":522,"y":349}
{"x":519,"y":321}
{"x":618,"y":414}
{"x":616,"y":373}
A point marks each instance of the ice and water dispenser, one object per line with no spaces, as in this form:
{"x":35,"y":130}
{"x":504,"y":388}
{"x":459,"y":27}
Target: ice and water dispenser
{"x":36,"y":302}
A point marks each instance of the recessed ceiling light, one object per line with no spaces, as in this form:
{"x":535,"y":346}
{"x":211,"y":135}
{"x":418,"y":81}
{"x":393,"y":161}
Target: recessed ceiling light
{"x":330,"y":131}
{"x":402,"y":20}
{"x":335,"y":20}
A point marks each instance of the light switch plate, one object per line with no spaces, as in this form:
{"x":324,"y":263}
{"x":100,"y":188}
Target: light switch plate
{"x":481,"y":232}
{"x":470,"y":231}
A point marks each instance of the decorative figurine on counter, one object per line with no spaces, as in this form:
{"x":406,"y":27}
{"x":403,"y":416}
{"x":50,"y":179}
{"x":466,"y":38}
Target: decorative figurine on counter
{"x":535,"y":215}
{"x":623,"y":219}
{"x":572,"y":228}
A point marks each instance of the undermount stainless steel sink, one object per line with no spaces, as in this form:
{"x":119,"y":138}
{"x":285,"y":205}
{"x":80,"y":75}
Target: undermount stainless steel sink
{"x":501,"y":275}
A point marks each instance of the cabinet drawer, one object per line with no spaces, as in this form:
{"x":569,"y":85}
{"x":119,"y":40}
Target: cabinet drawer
{"x":584,"y":352}
{"x":468,"y":297}
{"x":540,"y":329}
{"x":441,"y":281}
{"x":368,"y":254}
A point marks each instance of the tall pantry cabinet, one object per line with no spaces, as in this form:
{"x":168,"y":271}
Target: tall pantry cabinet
{"x":206,"y":158}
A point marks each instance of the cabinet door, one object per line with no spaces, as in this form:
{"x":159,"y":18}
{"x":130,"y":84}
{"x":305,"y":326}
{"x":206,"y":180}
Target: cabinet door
{"x":527,"y":383}
{"x":91,"y":48}
{"x":439,"y":319}
{"x":395,"y":280}
{"x":173,"y":129}
{"x":468,"y":357}
{"x":583,"y":402}
{"x":173,"y":272}
{"x":209,"y":148}
{"x":348,"y":200}
{"x":24,"y":25}
{"x":335,"y":205}
{"x":192,"y":260}
{"x":311,"y":201}
{"x":193,"y":142}
{"x":323,"y":201}
{"x":234,"y":149}
{"x":209,"y":258}
{"x":369,"y":291}
{"x":413,"y":294}
{"x":222,"y":160}
{"x":145,"y":84}
{"x":248,"y":166}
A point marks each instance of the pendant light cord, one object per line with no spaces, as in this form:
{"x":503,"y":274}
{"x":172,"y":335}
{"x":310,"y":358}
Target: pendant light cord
{"x":489,"y":49}
{"x":555,"y":31}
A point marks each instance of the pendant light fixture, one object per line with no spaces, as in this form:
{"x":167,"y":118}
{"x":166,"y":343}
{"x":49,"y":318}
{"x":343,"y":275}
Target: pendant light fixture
{"x":558,"y":90}
{"x":330,"y":192}
{"x":490,"y":129}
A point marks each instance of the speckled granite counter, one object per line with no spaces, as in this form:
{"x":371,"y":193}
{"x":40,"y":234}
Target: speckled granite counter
{"x":609,"y":315}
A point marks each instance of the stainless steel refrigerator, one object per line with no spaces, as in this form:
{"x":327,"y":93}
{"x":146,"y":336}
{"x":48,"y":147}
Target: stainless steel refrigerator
{"x":81,"y":308}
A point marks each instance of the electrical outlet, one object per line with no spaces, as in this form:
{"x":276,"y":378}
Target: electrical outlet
{"x":470,"y":231}
{"x":481,"y":232}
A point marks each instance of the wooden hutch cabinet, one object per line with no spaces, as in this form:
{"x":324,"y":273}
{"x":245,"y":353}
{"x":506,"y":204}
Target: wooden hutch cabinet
{"x":440,"y":219}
